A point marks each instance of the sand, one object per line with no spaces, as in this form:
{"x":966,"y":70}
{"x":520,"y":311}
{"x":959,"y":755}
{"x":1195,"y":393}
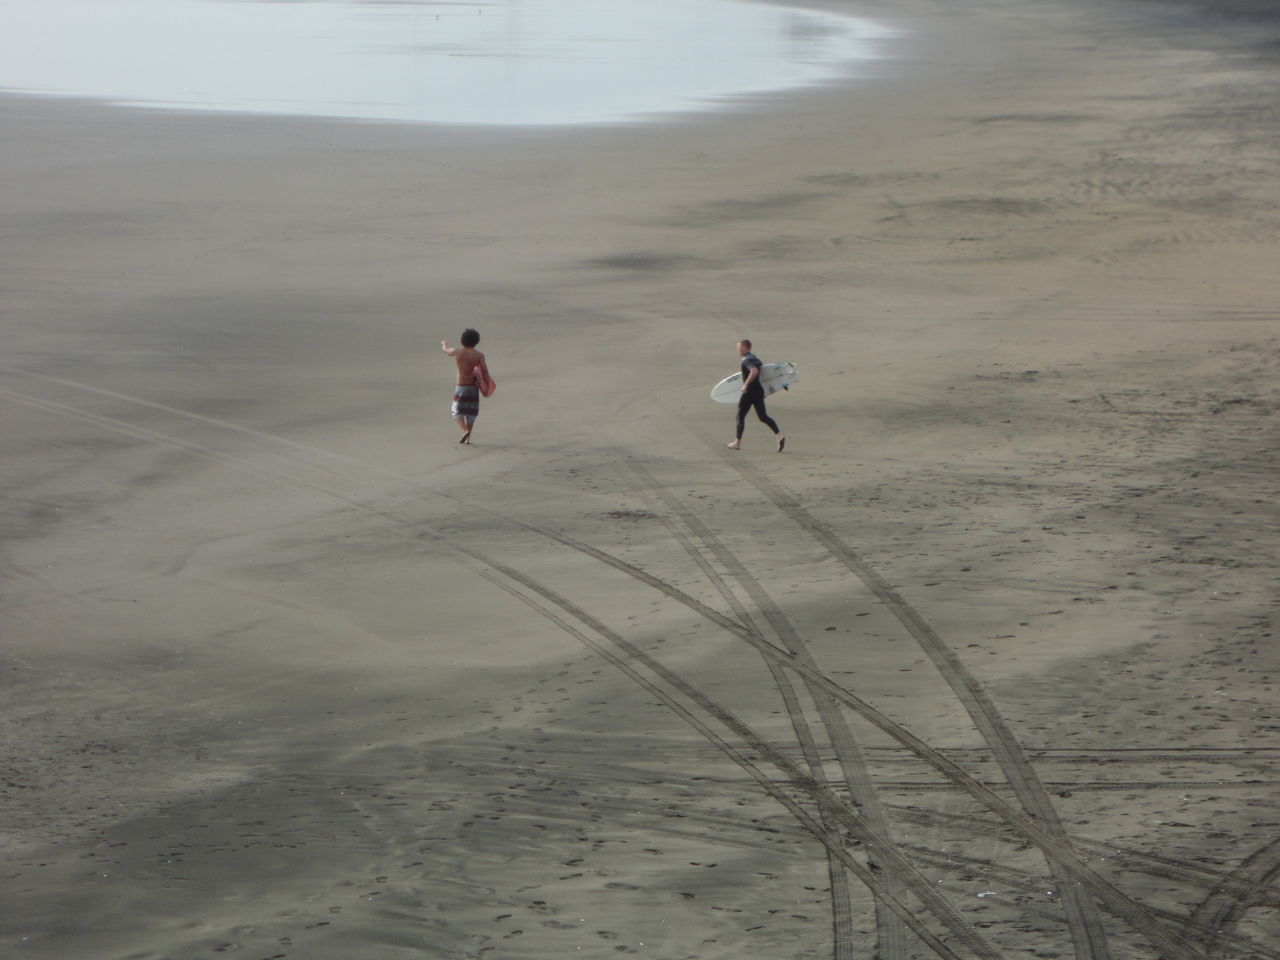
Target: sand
{"x":981,"y":666}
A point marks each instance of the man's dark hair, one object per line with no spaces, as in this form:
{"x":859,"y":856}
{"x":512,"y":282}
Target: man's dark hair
{"x":745,"y":342}
{"x":470,"y":338}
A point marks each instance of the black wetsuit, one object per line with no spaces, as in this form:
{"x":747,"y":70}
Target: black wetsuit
{"x":753,"y":396}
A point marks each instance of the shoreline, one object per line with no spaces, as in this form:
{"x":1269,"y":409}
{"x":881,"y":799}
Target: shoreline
{"x":292,"y":672}
{"x":561,"y":68}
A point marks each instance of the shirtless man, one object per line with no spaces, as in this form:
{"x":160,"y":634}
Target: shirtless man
{"x":466,"y":395}
{"x":753,"y":396}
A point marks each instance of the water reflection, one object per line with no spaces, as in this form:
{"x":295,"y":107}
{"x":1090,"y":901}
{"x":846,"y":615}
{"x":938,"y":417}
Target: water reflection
{"x":495,"y":62}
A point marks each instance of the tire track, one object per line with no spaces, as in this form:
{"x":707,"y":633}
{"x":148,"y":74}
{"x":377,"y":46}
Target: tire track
{"x":1094,"y":785}
{"x":1223,"y":909}
{"x":1033,"y":884}
{"x":1176,"y":946}
{"x":1129,"y":754}
{"x":826,"y":800}
{"x":1124,"y":858}
{"x":1083,"y":919}
{"x":26,"y":577}
{"x":824,"y":797}
{"x":853,"y":765}
{"x":270,"y":438}
{"x":1077,"y":756}
{"x":842,"y":918}
{"x":142,"y":433}
{"x":1161,"y":755}
{"x":1054,"y":847}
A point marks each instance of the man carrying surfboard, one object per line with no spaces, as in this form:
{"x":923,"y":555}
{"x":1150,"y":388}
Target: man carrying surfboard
{"x":753,"y":396}
{"x":473,"y":377}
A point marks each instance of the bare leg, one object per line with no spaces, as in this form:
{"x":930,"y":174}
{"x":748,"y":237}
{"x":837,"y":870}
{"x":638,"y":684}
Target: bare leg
{"x":466,"y":430}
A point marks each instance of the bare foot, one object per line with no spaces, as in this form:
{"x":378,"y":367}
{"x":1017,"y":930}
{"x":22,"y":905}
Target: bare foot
{"x":734,"y":445}
{"x":466,"y":437}
{"x":782,"y":442}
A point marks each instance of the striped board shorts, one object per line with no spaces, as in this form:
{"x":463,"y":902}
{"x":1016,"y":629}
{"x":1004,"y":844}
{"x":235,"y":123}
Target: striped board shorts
{"x":466,"y":403}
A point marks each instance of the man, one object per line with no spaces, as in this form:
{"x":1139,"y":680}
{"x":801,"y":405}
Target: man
{"x":753,"y":396}
{"x":471,"y":368}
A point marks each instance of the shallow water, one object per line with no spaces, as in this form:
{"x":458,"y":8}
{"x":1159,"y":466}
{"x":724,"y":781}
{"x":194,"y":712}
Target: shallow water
{"x":490,"y":62}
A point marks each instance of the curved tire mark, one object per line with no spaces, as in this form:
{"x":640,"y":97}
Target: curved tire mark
{"x":853,"y":765}
{"x":1222,"y":909}
{"x":227,"y":425}
{"x":841,"y":908}
{"x":827,"y":801}
{"x":1054,"y":847}
{"x":1116,"y":901}
{"x":1083,"y":919}
{"x":1124,"y":858}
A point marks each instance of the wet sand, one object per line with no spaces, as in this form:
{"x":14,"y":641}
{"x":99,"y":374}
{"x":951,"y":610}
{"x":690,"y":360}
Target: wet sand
{"x":983,"y":663}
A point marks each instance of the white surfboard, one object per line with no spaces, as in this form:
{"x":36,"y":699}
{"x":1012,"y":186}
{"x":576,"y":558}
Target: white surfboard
{"x":773,"y":377}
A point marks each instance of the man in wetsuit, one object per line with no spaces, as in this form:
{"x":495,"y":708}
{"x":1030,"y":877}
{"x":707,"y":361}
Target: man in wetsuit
{"x":753,"y":396}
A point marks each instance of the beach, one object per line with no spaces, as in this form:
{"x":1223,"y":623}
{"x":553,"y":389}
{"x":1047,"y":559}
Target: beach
{"x":981,"y":666}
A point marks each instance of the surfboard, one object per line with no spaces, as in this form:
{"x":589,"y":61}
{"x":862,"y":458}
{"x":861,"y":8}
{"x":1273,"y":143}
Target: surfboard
{"x":773,"y":377}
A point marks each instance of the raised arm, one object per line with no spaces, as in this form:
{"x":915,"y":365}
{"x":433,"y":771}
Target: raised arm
{"x":449,"y":351}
